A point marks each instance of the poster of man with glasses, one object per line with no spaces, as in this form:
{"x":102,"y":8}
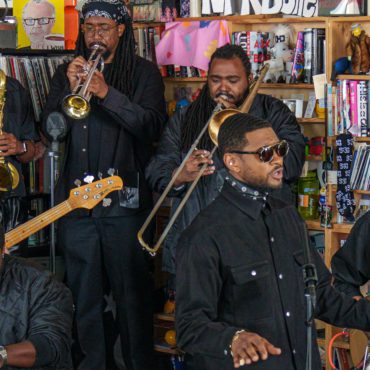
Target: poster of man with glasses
{"x":40,"y":23}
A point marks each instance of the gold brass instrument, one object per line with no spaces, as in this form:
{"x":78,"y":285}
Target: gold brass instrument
{"x":213,"y":125}
{"x":77,"y":104}
{"x":9,"y":175}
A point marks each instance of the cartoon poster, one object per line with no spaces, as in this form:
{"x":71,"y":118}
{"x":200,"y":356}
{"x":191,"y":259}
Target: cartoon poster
{"x":40,"y":23}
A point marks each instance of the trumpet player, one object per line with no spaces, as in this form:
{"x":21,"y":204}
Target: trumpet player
{"x":126,"y":116}
{"x":227,"y":83}
{"x":17,"y":137}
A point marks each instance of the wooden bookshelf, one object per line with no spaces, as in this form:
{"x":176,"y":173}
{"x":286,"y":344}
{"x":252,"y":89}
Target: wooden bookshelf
{"x":314,"y":120}
{"x":314,"y":225}
{"x":353,"y":77}
{"x":164,"y":317}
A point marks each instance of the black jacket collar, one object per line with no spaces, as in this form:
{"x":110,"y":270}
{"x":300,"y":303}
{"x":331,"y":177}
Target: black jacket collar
{"x":248,"y":205}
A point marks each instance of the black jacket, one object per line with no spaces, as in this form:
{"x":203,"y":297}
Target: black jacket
{"x":37,"y":308}
{"x":118,"y":133}
{"x":18,"y":120}
{"x":351,"y":264}
{"x":169,"y":156}
{"x":239,"y":266}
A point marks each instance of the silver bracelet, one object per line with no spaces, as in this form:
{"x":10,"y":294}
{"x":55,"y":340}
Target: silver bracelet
{"x":4,"y":355}
{"x":235,"y":337}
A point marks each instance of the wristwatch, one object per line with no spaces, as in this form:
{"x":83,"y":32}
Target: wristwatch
{"x":3,"y":356}
{"x":24,"y":146}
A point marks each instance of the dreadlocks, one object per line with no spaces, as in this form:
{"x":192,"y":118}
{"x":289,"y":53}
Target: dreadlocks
{"x":201,"y":109}
{"x":123,"y":67}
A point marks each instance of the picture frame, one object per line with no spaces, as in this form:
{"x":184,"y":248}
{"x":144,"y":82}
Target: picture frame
{"x":342,"y":7}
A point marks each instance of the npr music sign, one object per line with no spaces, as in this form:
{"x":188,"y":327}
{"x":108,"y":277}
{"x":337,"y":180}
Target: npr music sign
{"x":301,"y":8}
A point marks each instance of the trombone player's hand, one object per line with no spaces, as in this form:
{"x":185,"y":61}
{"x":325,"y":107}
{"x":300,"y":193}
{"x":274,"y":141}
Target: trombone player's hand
{"x":193,"y":165}
{"x":225,"y":102}
{"x":76,"y":71}
{"x":9,"y":145}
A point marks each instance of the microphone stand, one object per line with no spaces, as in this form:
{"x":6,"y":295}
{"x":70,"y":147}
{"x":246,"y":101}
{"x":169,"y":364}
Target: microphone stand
{"x":310,"y":281}
{"x":54,"y":156}
{"x":56,"y":127}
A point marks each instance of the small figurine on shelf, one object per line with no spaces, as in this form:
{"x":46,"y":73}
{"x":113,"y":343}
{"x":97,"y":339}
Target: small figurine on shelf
{"x":358,"y":50}
{"x":281,"y":54}
{"x":325,"y":210}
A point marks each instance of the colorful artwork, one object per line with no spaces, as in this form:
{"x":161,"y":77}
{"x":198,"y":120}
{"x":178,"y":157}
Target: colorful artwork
{"x":191,"y":43}
{"x":40,"y":23}
{"x":342,"y":7}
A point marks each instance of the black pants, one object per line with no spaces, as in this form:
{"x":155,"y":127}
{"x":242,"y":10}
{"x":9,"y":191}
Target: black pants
{"x":94,"y":247}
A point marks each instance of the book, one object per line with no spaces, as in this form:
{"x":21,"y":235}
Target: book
{"x":308,"y":41}
{"x":362,"y":108}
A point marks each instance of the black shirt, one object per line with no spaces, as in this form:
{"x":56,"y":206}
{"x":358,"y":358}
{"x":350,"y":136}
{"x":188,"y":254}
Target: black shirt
{"x":18,"y":120}
{"x":351,"y":264}
{"x":239,"y":266}
{"x":118,"y":133}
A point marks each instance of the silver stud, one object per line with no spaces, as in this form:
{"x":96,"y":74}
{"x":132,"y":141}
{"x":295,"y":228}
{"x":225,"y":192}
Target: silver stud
{"x":272,"y":239}
{"x":107,"y":202}
{"x":88,"y":179}
{"x":244,"y":189}
{"x":287,"y":314}
{"x":254,"y":273}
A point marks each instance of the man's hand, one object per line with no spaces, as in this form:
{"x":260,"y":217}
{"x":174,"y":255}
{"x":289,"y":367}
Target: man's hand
{"x":75,"y":71}
{"x":98,"y":86}
{"x":222,"y":99}
{"x":250,"y":347}
{"x":193,"y":165}
{"x":9,"y":145}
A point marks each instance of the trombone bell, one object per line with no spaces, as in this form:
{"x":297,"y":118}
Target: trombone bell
{"x":217,"y":121}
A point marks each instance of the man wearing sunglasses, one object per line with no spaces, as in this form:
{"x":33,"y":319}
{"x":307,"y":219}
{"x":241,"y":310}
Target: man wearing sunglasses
{"x":240,"y":290}
{"x":38,"y":18}
{"x":228,"y":83}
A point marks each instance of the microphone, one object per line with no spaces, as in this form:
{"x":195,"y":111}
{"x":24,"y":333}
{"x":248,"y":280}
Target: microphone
{"x":56,"y":127}
{"x":309,"y":269}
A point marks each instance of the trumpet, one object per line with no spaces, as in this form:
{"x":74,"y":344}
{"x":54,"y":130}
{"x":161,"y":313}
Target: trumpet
{"x":213,"y":126}
{"x":77,"y":104}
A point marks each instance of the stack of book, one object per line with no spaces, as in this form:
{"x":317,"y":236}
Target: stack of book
{"x":35,"y":74}
{"x":360,"y":171}
{"x":348,"y":108}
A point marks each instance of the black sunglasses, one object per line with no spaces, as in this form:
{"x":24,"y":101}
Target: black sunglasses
{"x":266,"y":153}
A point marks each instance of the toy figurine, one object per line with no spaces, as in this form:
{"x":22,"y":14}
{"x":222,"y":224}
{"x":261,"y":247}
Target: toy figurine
{"x":281,"y":54}
{"x":358,"y":50}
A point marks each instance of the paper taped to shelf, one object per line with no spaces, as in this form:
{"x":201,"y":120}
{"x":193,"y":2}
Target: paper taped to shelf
{"x":319,"y":82}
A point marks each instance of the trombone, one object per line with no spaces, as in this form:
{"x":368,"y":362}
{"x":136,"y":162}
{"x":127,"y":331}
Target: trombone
{"x":213,"y":125}
{"x":77,"y":104}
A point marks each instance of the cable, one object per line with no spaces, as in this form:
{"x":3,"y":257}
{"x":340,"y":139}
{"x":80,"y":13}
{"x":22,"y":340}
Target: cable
{"x":332,"y":340}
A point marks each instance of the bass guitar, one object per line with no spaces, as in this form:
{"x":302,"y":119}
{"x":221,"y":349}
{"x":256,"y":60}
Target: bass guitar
{"x":87,"y":196}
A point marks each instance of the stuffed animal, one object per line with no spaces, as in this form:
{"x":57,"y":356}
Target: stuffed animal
{"x":281,"y":54}
{"x":358,"y":50}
